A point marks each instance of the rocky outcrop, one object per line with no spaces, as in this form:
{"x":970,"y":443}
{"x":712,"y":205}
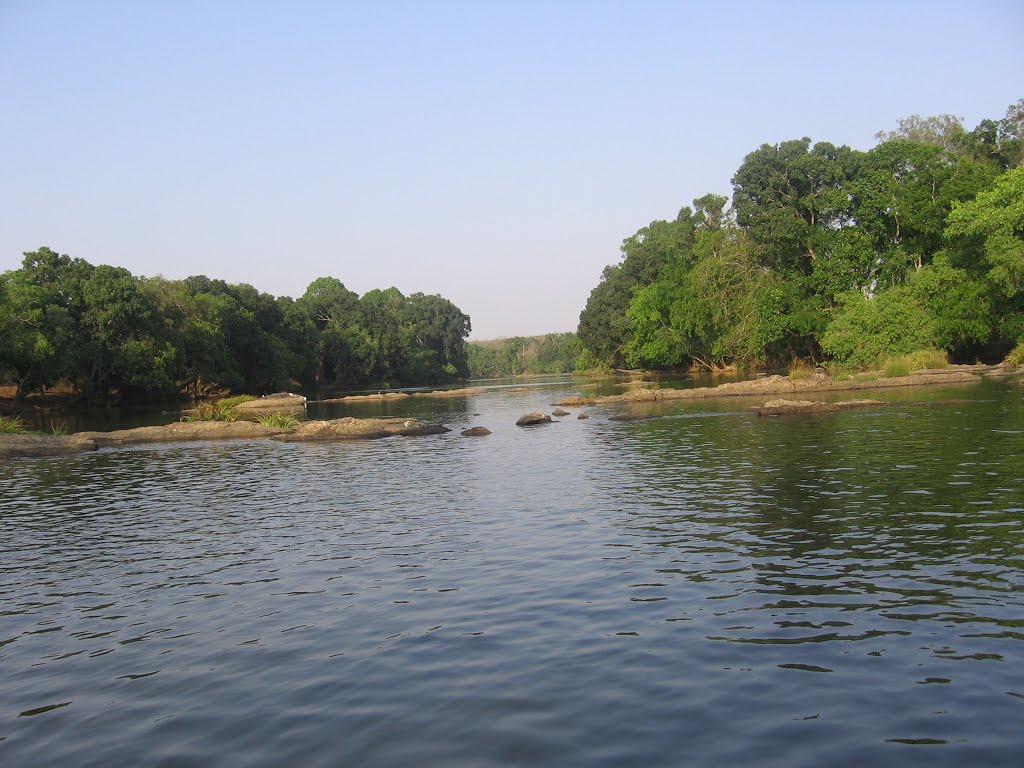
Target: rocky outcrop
{"x":475,"y":432}
{"x":532,"y":419}
{"x":183,"y":430}
{"x":279,"y":402}
{"x":360,"y":429}
{"x":778,"y":385}
{"x":386,"y":396}
{"x":32,"y":446}
{"x":559,"y":412}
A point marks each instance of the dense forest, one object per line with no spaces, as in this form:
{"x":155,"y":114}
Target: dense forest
{"x":108,"y":333}
{"x":550,"y":353}
{"x":830,"y":253}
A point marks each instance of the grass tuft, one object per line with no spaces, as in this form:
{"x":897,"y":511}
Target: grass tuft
{"x":801,"y":370}
{"x":1016,"y":355}
{"x":278,"y":420}
{"x":896,"y":367}
{"x":12,"y":425}
{"x":222,"y":410}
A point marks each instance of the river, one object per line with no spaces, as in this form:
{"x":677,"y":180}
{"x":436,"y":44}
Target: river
{"x":707,"y":587}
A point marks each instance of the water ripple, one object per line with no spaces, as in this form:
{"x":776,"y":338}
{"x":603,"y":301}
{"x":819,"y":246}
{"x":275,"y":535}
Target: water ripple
{"x":705,"y":583}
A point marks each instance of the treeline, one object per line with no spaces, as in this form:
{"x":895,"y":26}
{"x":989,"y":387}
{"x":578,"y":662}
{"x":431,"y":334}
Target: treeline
{"x":551,"y":353}
{"x":106,"y":332}
{"x":831,"y":253}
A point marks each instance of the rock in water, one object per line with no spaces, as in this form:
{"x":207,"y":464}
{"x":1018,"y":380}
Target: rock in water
{"x":475,"y":432}
{"x":281,"y":401}
{"x":533,"y":418}
{"x":349,"y":428}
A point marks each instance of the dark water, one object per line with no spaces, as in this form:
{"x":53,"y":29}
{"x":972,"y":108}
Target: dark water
{"x":704,"y":588}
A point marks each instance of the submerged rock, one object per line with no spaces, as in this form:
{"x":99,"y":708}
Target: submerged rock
{"x":475,"y":432}
{"x":33,"y":446}
{"x":533,"y":418}
{"x":784,"y":407}
{"x":631,"y":417}
{"x":583,"y":415}
{"x":559,"y":412}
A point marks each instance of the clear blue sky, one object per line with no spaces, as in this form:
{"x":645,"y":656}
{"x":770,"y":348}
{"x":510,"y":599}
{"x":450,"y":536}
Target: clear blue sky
{"x":496,"y":153}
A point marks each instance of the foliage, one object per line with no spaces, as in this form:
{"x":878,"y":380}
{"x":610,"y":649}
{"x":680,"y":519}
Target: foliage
{"x":895,"y":367}
{"x":1016,"y":355}
{"x":11,"y":425}
{"x":221,"y":410}
{"x":866,"y":330}
{"x":801,"y":370}
{"x":111,"y":334}
{"x":548,"y":354}
{"x":831,"y":251}
{"x":278,"y":420}
{"x":927,"y":359}
{"x":994,"y":220}
{"x":228,"y":403}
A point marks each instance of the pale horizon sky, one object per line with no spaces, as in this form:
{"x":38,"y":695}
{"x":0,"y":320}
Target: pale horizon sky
{"x":494,"y":153}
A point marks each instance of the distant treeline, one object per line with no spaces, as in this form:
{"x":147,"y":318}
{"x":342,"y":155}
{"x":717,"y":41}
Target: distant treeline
{"x":831,"y":253}
{"x":551,"y":353}
{"x":106,"y":332}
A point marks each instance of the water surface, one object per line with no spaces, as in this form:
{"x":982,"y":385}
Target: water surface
{"x":706,"y":587}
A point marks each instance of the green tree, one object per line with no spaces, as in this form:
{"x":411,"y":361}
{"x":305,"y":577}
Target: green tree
{"x":436,"y":332}
{"x":120,"y":349}
{"x":903,"y":196}
{"x":342,"y":350}
{"x":792,"y":198}
{"x":986,"y":235}
{"x":45,"y":305}
{"x":605,"y":327}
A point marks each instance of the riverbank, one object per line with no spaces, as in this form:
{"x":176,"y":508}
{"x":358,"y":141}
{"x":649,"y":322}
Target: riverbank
{"x":348,"y":428}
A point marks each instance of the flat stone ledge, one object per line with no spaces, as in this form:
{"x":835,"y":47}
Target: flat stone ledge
{"x":37,"y":446}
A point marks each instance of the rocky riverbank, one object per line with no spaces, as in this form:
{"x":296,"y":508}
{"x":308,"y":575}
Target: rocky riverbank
{"x":14,"y":446}
{"x":23,"y":445}
{"x":782,"y":385}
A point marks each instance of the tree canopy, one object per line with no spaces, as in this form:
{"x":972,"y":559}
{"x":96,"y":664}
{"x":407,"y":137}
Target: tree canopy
{"x":106,"y":332}
{"x":831,"y":252}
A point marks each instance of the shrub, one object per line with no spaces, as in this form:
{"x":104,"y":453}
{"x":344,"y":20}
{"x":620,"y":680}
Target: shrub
{"x":865,"y":331}
{"x":927,"y":359}
{"x":922,"y":359}
{"x":896,"y":366}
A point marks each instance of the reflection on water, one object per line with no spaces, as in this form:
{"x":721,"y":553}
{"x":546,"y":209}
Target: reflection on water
{"x":706,"y":587}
